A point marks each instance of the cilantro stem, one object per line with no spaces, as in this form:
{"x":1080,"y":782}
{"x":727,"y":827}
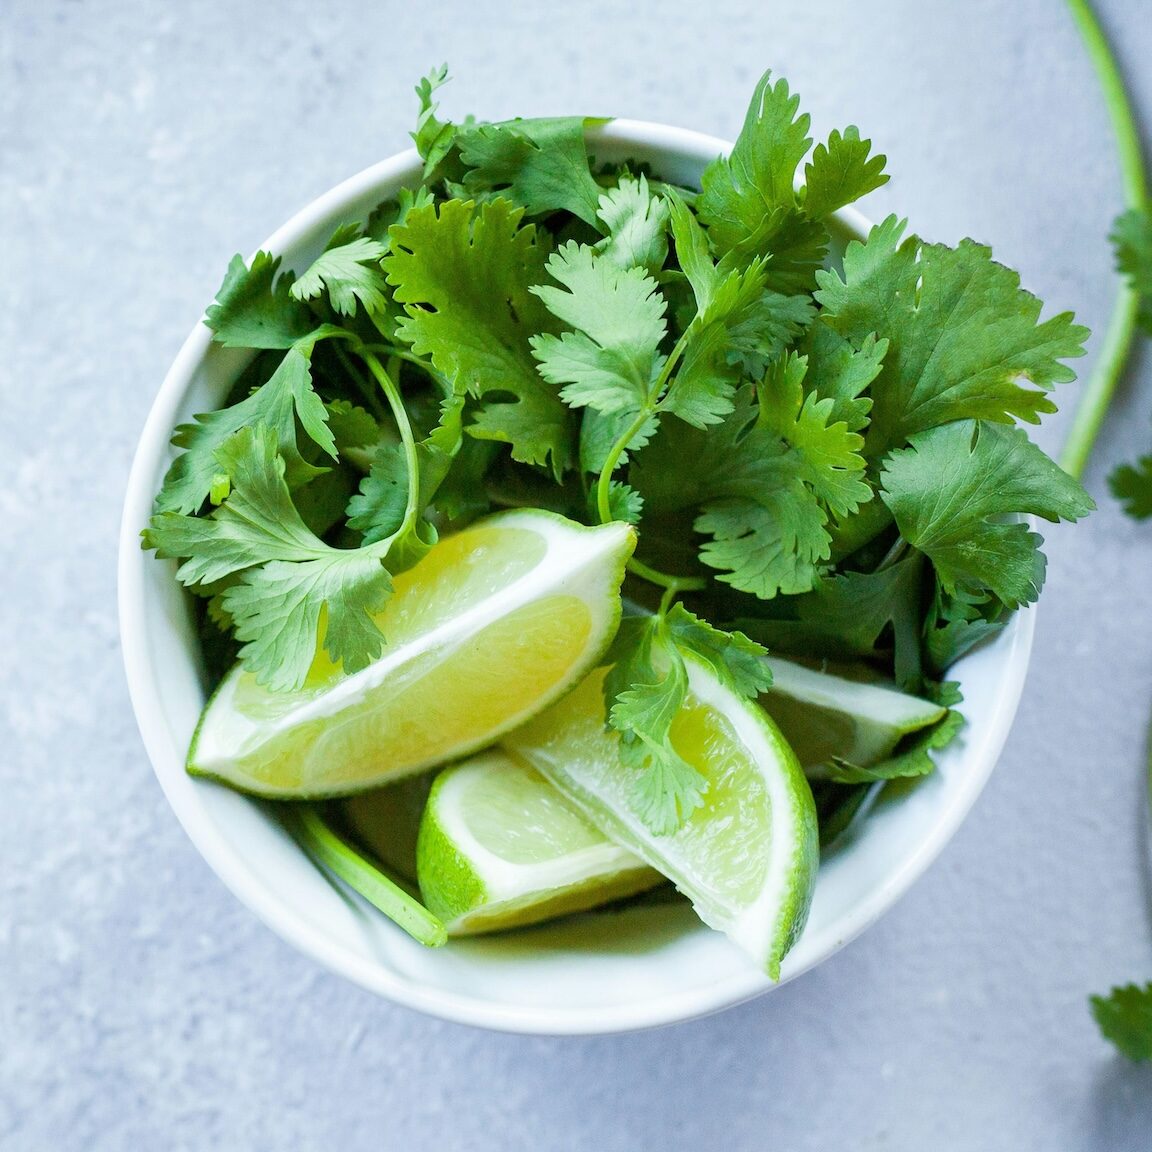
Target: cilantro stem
{"x":672,"y":584}
{"x":404,"y":425}
{"x":395,"y":352}
{"x":603,"y":485}
{"x":342,"y":860}
{"x":1113,"y":355}
{"x":358,"y":378}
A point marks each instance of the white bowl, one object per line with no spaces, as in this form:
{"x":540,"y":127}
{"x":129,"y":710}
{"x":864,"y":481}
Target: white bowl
{"x":610,"y":972}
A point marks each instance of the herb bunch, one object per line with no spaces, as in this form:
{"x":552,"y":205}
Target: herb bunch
{"x":818,"y":443}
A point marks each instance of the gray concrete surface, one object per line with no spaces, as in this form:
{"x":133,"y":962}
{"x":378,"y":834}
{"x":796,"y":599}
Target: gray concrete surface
{"x":141,"y":144}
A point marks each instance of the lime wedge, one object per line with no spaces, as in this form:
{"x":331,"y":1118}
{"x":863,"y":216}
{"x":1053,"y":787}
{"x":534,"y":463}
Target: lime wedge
{"x":747,"y":858}
{"x":826,"y":717}
{"x":491,"y":626}
{"x":500,"y":847}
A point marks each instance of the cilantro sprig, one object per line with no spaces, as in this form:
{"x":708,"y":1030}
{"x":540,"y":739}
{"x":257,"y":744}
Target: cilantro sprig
{"x":819,"y":454}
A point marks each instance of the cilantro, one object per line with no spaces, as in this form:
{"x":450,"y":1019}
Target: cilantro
{"x":255,"y":307}
{"x":644,"y":691}
{"x":1125,"y":1019}
{"x":541,"y":165}
{"x":288,"y":577}
{"x":612,"y":358}
{"x":956,"y":624}
{"x":755,"y":184}
{"x":433,"y":137}
{"x":463,"y":273}
{"x":735,"y":660}
{"x":850,"y":615}
{"x":911,"y":758}
{"x":637,"y":224}
{"x":379,"y":509}
{"x":749,"y":200}
{"x":342,"y":269}
{"x":1131,"y":484}
{"x":820,"y":460}
{"x":286,"y":403}
{"x":961,"y":333}
{"x":1132,"y":239}
{"x":840,"y":172}
{"x":765,"y":479}
{"x":951,"y":491}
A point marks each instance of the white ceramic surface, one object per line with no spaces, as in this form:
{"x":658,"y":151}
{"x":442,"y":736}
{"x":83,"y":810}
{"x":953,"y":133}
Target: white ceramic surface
{"x":598,"y":973}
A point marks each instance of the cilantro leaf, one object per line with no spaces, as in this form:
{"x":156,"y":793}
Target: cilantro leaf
{"x":379,"y":508}
{"x":855,"y":614}
{"x":355,"y":432}
{"x":751,"y":191}
{"x":840,"y":172}
{"x":739,"y":324}
{"x":911,"y":758}
{"x":1132,"y":239}
{"x":612,"y":359}
{"x":950,"y":492}
{"x":342,"y":271}
{"x":737,"y":661}
{"x":255,"y":308}
{"x":841,"y":373}
{"x":956,"y":624}
{"x":541,"y":165}
{"x":961,"y":334}
{"x":289,"y":582}
{"x":277,"y":610}
{"x":624,"y":502}
{"x":1132,"y":486}
{"x":463,"y":273}
{"x":433,"y":137}
{"x":643,"y":692}
{"x":395,"y":211}
{"x":761,"y":477}
{"x":1125,"y":1019}
{"x":599,"y":432}
{"x":637,"y":224}
{"x":830,"y":453}
{"x":286,"y":400}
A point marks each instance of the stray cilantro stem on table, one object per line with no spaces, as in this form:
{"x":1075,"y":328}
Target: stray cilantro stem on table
{"x":1121,"y":330}
{"x":1125,"y":1016}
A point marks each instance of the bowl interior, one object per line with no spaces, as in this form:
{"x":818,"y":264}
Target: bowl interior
{"x":598,"y":972}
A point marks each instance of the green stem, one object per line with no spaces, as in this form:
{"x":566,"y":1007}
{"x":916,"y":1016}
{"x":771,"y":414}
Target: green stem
{"x":330,"y":851}
{"x":361,"y":382}
{"x":404,"y":425}
{"x":1122,"y":327}
{"x":603,"y":507}
{"x":671,"y":584}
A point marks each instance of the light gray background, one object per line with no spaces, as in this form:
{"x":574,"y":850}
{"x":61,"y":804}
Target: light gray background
{"x":141,"y":1007}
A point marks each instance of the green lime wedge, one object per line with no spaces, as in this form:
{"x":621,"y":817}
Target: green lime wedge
{"x":499,"y":847}
{"x":747,"y":858}
{"x":826,"y":717}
